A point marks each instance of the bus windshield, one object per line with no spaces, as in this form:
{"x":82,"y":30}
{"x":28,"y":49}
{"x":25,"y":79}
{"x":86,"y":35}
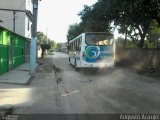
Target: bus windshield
{"x":99,"y":39}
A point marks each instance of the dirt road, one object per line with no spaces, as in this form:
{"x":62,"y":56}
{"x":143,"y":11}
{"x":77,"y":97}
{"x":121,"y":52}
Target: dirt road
{"x":58,"y":89}
{"x":111,"y":90}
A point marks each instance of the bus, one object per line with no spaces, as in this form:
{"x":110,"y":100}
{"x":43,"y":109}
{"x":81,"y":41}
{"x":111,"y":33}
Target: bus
{"x":92,"y":50}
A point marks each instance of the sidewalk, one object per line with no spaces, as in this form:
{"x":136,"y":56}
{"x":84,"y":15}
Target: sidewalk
{"x":18,"y":76}
{"x":38,"y":97}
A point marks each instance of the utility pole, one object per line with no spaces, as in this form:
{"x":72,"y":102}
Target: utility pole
{"x":33,"y":39}
{"x":14,"y":22}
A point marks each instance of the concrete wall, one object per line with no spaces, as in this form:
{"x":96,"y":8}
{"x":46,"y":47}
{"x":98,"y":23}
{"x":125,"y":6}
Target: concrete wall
{"x":12,"y":48}
{"x":22,"y":23}
{"x":138,"y":58}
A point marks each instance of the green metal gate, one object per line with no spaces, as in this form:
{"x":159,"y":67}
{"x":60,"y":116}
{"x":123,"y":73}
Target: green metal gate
{"x":18,"y":51}
{"x":4,"y":47}
{"x":12,"y":50}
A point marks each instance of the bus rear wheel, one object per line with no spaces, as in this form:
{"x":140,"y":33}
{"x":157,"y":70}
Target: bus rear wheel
{"x":75,"y":65}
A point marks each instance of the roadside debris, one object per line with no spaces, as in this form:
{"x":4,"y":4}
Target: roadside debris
{"x":69,"y":93}
{"x":45,"y":67}
{"x":155,"y":71}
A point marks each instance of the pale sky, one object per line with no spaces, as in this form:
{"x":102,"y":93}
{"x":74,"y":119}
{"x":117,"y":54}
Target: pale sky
{"x":55,"y":16}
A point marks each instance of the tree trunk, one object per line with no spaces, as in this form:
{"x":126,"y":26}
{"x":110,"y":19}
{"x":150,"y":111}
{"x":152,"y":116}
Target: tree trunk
{"x":143,"y":34}
{"x":141,"y":41}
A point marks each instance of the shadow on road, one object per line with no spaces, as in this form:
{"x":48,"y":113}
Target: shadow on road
{"x":97,"y":71}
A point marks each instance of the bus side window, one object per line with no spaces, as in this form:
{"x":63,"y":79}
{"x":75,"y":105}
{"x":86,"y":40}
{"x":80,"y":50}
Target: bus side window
{"x":77,"y":43}
{"x":80,"y":42}
{"x":79,"y":46}
{"x":71,"y":46}
{"x":74,"y":46}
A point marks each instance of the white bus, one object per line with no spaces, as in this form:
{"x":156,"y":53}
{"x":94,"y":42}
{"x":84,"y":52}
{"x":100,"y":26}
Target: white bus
{"x":92,"y":50}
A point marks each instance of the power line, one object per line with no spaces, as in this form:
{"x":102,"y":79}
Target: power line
{"x":27,"y":12}
{"x":12,"y":10}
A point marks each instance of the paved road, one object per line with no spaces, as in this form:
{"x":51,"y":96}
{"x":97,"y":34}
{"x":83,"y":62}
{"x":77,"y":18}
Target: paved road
{"x":111,"y":90}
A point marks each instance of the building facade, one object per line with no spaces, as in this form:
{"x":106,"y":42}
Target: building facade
{"x":13,"y":50}
{"x":17,"y":22}
{"x":15,"y":33}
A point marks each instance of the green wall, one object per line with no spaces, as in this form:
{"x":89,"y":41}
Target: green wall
{"x":4,"y":47}
{"x":12,"y":54}
{"x":18,"y":51}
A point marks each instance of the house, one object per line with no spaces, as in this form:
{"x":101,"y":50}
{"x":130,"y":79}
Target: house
{"x":15,"y":33}
{"x":16,"y":21}
{"x":13,"y":50}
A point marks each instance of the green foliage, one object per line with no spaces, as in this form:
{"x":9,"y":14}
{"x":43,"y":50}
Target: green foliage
{"x":53,"y":44}
{"x":59,"y":46}
{"x":45,"y":47}
{"x":73,"y":31}
{"x":131,"y":44}
{"x":149,"y":44}
{"x":154,"y":33}
{"x":120,"y":43}
{"x":154,"y":28}
{"x":46,"y":43}
{"x":132,"y":17}
{"x":94,"y":19}
{"x":42,"y":38}
{"x":50,"y":50}
{"x":130,"y":20}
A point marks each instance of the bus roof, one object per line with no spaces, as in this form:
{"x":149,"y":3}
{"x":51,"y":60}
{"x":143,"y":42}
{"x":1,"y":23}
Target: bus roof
{"x":89,"y":33}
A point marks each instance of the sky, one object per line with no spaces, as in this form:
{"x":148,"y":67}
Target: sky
{"x":55,"y":16}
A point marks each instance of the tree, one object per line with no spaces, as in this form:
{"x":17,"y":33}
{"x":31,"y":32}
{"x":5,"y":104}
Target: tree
{"x":53,"y":44}
{"x":154,"y":34}
{"x":94,"y":19}
{"x":42,"y":38}
{"x":45,"y":42}
{"x":73,"y":31}
{"x":59,"y":46}
{"x":132,"y":17}
{"x":44,"y":47}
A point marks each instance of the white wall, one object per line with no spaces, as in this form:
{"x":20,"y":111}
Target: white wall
{"x":21,"y":20}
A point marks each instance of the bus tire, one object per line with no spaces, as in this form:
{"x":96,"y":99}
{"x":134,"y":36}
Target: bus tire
{"x":75,"y":65}
{"x":69,"y":60}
